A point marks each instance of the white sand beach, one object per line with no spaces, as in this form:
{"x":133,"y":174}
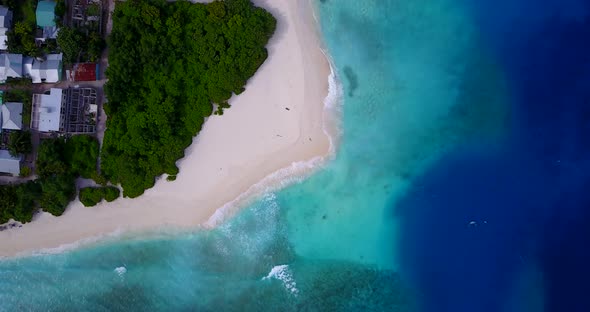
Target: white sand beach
{"x":276,"y":122}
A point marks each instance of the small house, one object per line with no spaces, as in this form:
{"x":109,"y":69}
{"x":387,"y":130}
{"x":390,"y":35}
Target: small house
{"x":11,"y":66}
{"x":9,"y":164}
{"x":12,"y":116}
{"x":46,"y":70}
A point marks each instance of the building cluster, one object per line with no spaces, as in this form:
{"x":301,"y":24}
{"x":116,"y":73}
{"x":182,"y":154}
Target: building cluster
{"x":39,"y":70}
{"x":42,"y":69}
{"x":59,"y":111}
{"x":65,"y":111}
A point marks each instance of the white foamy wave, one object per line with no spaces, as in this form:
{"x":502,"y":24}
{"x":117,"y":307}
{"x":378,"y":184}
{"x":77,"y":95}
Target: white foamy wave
{"x":120,"y":270}
{"x":283,"y":274}
{"x":253,"y":242}
{"x":280,"y":179}
{"x":297,"y":171}
{"x":333,"y":107}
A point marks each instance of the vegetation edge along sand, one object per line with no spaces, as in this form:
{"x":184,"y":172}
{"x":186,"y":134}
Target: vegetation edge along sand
{"x":278,"y":120}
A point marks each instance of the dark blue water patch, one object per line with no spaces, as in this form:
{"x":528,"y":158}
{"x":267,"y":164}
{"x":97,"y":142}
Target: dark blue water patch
{"x":565,"y":256}
{"x":552,"y":90}
{"x":544,"y":51}
{"x":529,"y":201}
{"x":467,"y":228}
{"x":550,"y":68}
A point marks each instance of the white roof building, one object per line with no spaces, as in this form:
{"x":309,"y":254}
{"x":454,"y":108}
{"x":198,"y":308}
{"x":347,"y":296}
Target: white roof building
{"x":12,"y":116}
{"x":3,"y":38}
{"x":48,"y":117}
{"x":5,"y":24}
{"x":9,"y":164}
{"x":11,"y":66}
{"x":48,"y":70}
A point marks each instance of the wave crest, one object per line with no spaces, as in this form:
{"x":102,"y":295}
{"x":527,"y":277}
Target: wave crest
{"x":297,"y":171}
{"x":283,"y":274}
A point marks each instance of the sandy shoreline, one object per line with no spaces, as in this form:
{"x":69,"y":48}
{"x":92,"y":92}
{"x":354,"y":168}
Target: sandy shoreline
{"x":278,"y":122}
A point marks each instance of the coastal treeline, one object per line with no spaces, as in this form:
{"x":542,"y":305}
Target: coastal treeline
{"x":169,"y":65}
{"x":59,"y":162}
{"x":90,"y":196}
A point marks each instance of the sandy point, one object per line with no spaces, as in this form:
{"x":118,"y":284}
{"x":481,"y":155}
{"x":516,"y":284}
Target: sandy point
{"x":278,"y":122}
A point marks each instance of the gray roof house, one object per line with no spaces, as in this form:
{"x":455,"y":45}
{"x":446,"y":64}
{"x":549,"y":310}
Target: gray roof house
{"x":9,"y":164}
{"x":11,"y":65}
{"x":49,"y":70}
{"x":12,"y":116}
{"x":5,"y":24}
{"x":5,"y":17}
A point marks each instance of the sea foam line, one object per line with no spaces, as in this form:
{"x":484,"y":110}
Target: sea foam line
{"x":297,"y":171}
{"x":283,"y":274}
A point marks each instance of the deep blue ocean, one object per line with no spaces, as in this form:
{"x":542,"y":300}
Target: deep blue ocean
{"x":461,"y":182}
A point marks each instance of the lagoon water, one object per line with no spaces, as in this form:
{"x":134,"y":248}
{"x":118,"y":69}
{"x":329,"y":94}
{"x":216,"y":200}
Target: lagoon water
{"x":458,"y":184}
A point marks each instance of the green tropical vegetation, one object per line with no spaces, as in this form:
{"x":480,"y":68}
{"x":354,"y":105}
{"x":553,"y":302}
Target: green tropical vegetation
{"x":168,"y":64}
{"x":60,"y":11}
{"x":81,"y":153}
{"x":71,"y":42}
{"x":76,"y":156}
{"x":111,"y":193}
{"x":93,"y":10}
{"x":94,"y":47}
{"x":59,"y":163}
{"x":18,"y":202}
{"x":80,"y":44}
{"x":56,"y":193}
{"x":19,"y":143}
{"x":25,"y":171}
{"x":21,"y":38}
{"x":90,"y":196}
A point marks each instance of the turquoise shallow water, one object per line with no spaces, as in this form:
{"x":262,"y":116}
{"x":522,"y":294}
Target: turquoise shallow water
{"x":411,"y":71}
{"x":421,"y":79}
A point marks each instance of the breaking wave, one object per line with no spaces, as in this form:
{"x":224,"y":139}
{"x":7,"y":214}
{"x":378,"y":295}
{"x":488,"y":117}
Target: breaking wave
{"x":283,"y":274}
{"x":297,"y":171}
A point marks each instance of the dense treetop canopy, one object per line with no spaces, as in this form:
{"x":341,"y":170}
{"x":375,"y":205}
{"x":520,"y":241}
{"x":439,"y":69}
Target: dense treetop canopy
{"x":90,"y":196}
{"x":59,"y":162}
{"x":168,"y":64}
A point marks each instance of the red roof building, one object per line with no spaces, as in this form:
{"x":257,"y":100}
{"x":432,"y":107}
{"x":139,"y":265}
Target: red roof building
{"x":85,"y":72}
